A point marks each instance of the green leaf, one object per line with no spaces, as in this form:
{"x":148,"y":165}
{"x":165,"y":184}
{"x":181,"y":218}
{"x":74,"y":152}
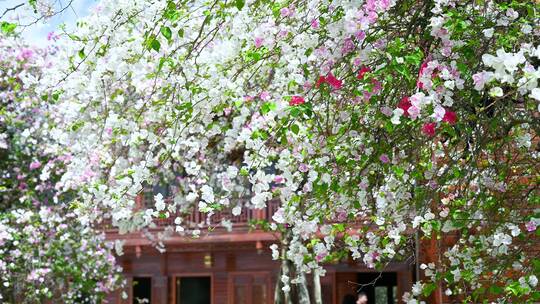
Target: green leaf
{"x":399,"y":171}
{"x":239,"y":4}
{"x":181,"y":33}
{"x":33,"y":4}
{"x":253,"y":55}
{"x":155,"y":45}
{"x":494,"y":289}
{"x":339,"y":227}
{"x":267,"y":107}
{"x":7,"y":28}
{"x":166,"y":32}
{"x":244,"y":172}
{"x":429,"y":289}
{"x":296,"y":111}
{"x":295,"y":128}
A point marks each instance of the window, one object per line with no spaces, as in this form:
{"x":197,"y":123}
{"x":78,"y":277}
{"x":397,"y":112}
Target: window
{"x":250,"y":288}
{"x":193,"y":290}
{"x":142,"y":290}
{"x":384,"y":289}
{"x":381,"y":294}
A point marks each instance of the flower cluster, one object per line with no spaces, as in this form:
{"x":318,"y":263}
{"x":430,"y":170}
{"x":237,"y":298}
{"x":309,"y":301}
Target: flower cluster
{"x":46,"y":254}
{"x":369,"y":122}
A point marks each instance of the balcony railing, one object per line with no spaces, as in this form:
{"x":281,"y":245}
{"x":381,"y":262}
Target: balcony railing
{"x":197,"y":219}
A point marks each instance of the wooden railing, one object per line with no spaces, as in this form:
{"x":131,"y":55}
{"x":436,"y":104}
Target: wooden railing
{"x":202,"y":220}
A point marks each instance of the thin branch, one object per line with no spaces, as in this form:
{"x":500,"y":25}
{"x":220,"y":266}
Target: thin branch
{"x":9,"y":9}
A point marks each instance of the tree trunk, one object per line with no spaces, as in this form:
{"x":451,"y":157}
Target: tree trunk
{"x":278,"y":299}
{"x":303,"y":291}
{"x":317,"y":292}
{"x":286,"y":269}
{"x":281,"y":297}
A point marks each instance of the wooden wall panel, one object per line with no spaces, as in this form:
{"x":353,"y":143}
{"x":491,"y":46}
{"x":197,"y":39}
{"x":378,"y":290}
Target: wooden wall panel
{"x":227,"y":261}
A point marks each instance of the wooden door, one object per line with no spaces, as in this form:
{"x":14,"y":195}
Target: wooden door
{"x":249,"y":288}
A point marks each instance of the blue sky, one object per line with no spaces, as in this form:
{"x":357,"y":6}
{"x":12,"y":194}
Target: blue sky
{"x":37,"y":33}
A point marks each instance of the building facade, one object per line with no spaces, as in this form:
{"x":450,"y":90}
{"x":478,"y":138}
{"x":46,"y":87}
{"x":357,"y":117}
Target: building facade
{"x":236,"y":267}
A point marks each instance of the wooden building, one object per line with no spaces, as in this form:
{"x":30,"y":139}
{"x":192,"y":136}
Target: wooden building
{"x":236,"y":267}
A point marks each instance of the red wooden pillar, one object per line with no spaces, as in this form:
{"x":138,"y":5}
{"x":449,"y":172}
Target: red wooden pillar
{"x":160,"y":282}
{"x":429,"y":249}
{"x":160,"y":290}
{"x":404,"y":282}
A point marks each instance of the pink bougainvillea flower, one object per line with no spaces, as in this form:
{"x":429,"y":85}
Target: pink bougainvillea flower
{"x":285,"y":12}
{"x":25,"y":54}
{"x":363,"y":72}
{"x":386,"y":111}
{"x":320,"y":256}
{"x":278,"y":179}
{"x":303,"y":168}
{"x":52,"y":36}
{"x":259,"y":42}
{"x":367,"y":95}
{"x":438,"y":112}
{"x":360,"y":35}
{"x":405,"y":104}
{"x":297,"y":100}
{"x":307,"y":85}
{"x":429,"y":129}
{"x":341,"y":216}
{"x":480,"y":79}
{"x":334,"y":82}
{"x":423,"y":66}
{"x":348,"y":46}
{"x":419,"y":83}
{"x":265,"y":96}
{"x":450,"y":117}
{"x":377,"y":86}
{"x":315,"y":23}
{"x":530,"y":226}
{"x":35,"y":165}
{"x":384,"y":158}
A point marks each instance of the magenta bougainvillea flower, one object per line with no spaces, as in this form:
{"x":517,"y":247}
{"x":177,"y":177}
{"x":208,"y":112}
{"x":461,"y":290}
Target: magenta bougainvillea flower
{"x":296,"y":100}
{"x":429,"y":129}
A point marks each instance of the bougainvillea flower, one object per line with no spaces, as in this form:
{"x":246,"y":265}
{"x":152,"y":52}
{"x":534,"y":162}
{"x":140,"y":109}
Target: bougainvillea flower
{"x":384,"y":158}
{"x":363,"y":72}
{"x":35,"y":165}
{"x":331,"y":80}
{"x":429,"y":129}
{"x":297,"y":100}
{"x":530,"y":226}
{"x":303,"y":168}
{"x":265,"y":96}
{"x":405,"y":104}
{"x":377,"y":86}
{"x":334,"y":82}
{"x":259,"y":42}
{"x":450,"y":117}
{"x":320,"y":81}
